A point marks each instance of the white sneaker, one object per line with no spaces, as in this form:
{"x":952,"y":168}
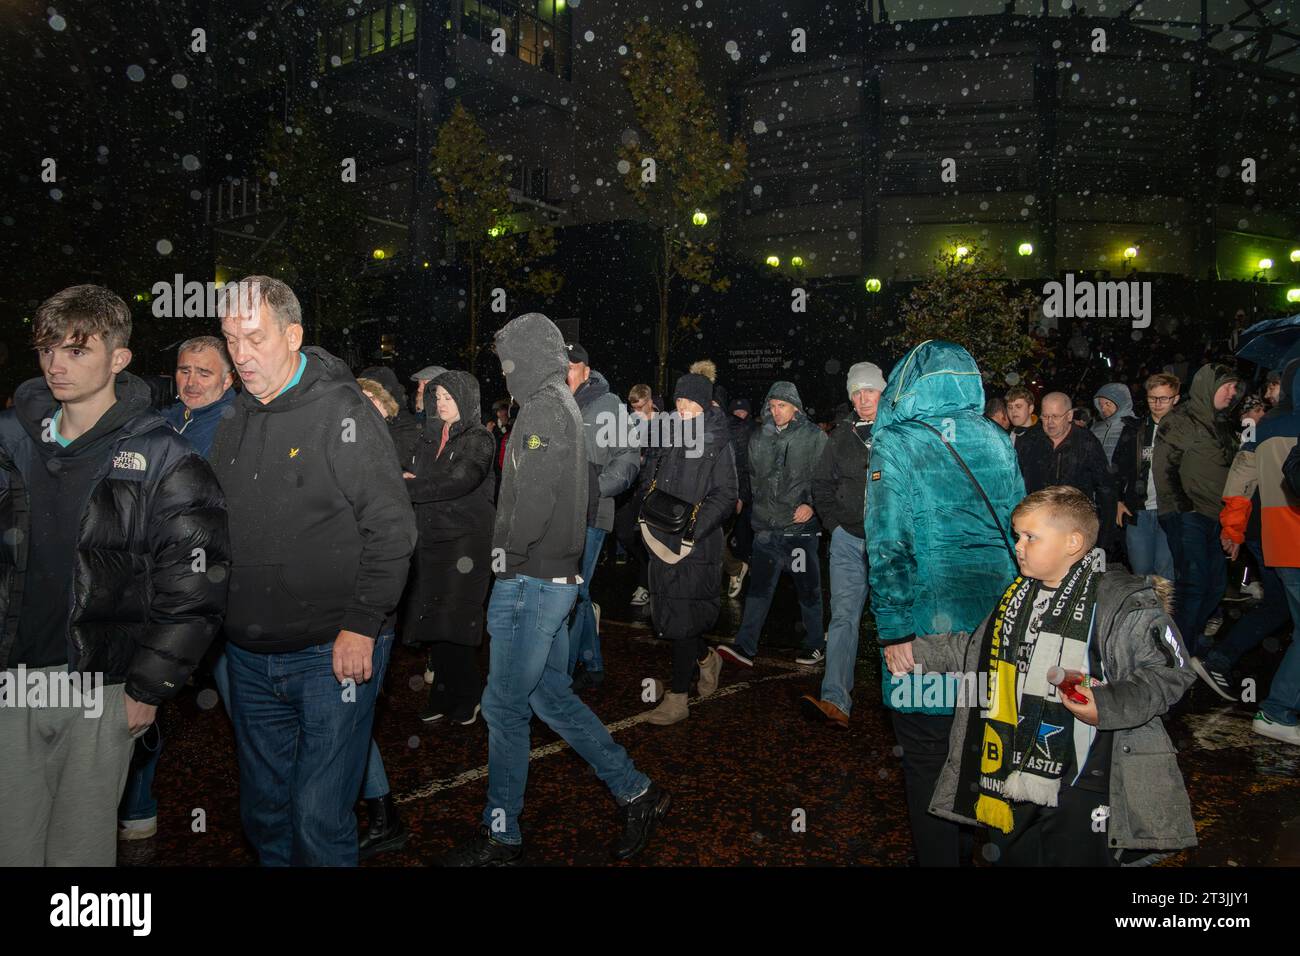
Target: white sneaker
{"x":640,"y":597}
{"x":1255,"y":590}
{"x":733,"y":589}
{"x":137,"y":829}
{"x":811,"y":660}
{"x":1271,"y":728}
{"x":1213,"y":625}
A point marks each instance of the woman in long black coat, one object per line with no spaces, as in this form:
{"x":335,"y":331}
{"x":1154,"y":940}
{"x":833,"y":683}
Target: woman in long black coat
{"x":452,"y":490}
{"x":685,"y":597}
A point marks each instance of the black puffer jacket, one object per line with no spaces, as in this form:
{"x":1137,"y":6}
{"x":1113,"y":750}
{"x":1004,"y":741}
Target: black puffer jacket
{"x":840,"y":483}
{"x":452,"y":493}
{"x":685,"y":597}
{"x":404,"y":429}
{"x":141,"y":615}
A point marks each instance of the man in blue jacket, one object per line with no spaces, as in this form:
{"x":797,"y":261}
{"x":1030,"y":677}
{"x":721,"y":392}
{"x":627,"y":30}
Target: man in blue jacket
{"x":939,"y":552}
{"x":204,"y":383}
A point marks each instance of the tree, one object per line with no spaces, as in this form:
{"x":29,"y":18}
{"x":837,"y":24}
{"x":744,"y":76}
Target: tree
{"x":971,"y":301}
{"x":318,"y":213}
{"x":476,"y":201}
{"x":678,"y":165}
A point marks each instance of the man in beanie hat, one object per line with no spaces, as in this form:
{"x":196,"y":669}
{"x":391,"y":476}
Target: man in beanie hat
{"x":839,"y":493}
{"x":783,"y":455}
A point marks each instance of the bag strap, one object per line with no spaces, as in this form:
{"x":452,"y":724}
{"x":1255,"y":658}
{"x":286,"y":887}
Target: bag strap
{"x":978,"y":487}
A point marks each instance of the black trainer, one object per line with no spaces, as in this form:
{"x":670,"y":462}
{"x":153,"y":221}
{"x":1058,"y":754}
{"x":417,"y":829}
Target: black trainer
{"x":584,"y":679}
{"x":384,"y":831}
{"x":639,"y":818}
{"x":484,"y":851}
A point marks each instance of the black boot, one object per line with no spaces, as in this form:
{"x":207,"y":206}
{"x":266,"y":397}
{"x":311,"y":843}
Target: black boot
{"x":385,"y":830}
{"x":639,"y":818}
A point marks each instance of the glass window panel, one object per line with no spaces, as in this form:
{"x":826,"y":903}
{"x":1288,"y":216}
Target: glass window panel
{"x":348,"y":42}
{"x":408,"y":22}
{"x":377,"y":31}
{"x":471,"y":21}
{"x":529,"y":50}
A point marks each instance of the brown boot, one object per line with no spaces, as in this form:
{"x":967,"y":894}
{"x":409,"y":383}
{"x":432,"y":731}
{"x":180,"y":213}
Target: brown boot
{"x":710,"y":671}
{"x":824,"y":711}
{"x":670,"y":710}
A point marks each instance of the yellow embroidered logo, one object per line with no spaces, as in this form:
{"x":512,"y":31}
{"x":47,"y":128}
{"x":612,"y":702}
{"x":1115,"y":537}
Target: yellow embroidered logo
{"x":875,"y":476}
{"x":534,"y":441}
{"x":293,"y":452}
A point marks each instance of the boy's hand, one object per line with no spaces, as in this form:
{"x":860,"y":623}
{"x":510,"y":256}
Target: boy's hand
{"x":1085,"y":712}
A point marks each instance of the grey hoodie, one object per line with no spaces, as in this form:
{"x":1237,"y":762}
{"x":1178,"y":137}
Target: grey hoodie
{"x":782,"y":464}
{"x":1108,"y":430}
{"x":541,"y":521}
{"x":615,"y":467}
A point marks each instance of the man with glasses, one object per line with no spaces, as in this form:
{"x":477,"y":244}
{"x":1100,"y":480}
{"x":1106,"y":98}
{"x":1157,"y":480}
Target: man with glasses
{"x":1059,"y":452}
{"x":1137,"y":509}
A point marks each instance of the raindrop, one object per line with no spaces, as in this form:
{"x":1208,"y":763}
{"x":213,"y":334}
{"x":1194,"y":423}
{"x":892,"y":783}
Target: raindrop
{"x":57,"y":23}
{"x":465,"y":564}
{"x":56,"y":194}
{"x":760,"y":126}
{"x":164,"y":247}
{"x":624,"y":167}
{"x":589,"y":36}
{"x":179,"y":81}
{"x":207,"y":699}
{"x":413,"y":742}
{"x":135,"y":73}
{"x":189,"y":162}
{"x":449,"y":82}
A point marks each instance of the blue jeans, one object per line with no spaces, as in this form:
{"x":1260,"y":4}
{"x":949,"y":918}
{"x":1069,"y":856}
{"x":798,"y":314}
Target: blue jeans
{"x":1283,"y":703}
{"x":375,"y":783}
{"x":773,"y":554}
{"x":138,"y":801}
{"x":527,"y":676}
{"x":1202,"y":570}
{"x":221,"y":677}
{"x":1261,"y":621}
{"x":848,"y":561}
{"x":584,"y":641}
{"x":1147,"y":546}
{"x":302,"y":739}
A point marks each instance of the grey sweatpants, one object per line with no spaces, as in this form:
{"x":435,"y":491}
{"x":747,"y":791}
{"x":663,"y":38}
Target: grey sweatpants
{"x":62,"y":773}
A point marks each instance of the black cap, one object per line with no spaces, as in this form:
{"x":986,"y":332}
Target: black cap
{"x":740,"y":404}
{"x":576,"y":353}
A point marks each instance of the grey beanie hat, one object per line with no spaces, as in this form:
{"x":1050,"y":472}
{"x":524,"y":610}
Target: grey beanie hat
{"x":865,"y":375}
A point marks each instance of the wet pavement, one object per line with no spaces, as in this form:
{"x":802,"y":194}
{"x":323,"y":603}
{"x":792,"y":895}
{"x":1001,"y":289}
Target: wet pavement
{"x":744,"y":769}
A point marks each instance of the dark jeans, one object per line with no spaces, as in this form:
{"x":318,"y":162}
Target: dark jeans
{"x":738,"y":545}
{"x":1064,"y":835}
{"x":302,"y":739}
{"x":1270,"y":615}
{"x":1202,"y":572}
{"x":138,"y":801}
{"x":457,"y":684}
{"x":775,"y":553}
{"x":687,"y":653}
{"x":924,"y":739}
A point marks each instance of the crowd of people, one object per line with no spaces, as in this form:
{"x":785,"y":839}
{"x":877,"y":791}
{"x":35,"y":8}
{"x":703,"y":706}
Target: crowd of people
{"x":1043,"y":589}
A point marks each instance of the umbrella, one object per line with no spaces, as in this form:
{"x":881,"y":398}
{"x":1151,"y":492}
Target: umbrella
{"x":1270,"y":343}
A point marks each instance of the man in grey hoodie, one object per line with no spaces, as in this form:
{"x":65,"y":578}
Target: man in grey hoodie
{"x":1114,"y":404}
{"x":537,"y":547}
{"x":783,"y":457}
{"x":612,"y":469}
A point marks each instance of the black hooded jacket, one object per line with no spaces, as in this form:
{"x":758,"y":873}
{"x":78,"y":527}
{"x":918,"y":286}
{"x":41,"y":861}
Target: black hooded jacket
{"x":144,"y":577}
{"x":452,"y":493}
{"x":321,"y":526}
{"x":839,"y":485}
{"x":541,"y":522}
{"x":404,"y":428}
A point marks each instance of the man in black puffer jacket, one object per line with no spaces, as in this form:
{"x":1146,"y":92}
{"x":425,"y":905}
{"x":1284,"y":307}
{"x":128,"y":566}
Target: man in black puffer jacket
{"x":113,"y":568}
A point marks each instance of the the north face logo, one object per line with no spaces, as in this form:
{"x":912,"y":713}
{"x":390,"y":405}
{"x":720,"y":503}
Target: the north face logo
{"x":130,"y":461}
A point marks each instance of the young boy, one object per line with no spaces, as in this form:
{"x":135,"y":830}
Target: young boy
{"x":1060,"y":782}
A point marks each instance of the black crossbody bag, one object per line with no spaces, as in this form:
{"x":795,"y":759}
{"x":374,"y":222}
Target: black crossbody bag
{"x":665,"y":512}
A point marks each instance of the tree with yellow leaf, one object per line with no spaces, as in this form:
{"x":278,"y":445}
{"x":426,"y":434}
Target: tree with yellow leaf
{"x":679,"y":165}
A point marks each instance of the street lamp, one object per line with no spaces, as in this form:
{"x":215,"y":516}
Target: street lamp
{"x":700,"y":218}
{"x":773,"y":261}
{"x":1265,"y":265}
{"x":873,"y":285}
{"x":377,"y":254}
{"x":1295,"y":255}
{"x":1131,"y":253}
{"x":797,"y":262}
{"x":962,"y":252}
{"x":1026,"y":249}
{"x":1293,"y":295}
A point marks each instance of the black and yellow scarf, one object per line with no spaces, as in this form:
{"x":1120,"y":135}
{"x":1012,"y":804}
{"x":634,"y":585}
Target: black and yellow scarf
{"x":1025,"y":736}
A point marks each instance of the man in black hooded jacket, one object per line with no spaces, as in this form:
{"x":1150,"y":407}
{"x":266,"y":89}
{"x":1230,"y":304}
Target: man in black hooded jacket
{"x":541,"y":526}
{"x":113,"y":563}
{"x":321,"y":533}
